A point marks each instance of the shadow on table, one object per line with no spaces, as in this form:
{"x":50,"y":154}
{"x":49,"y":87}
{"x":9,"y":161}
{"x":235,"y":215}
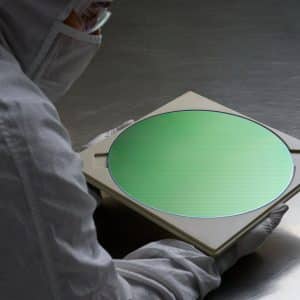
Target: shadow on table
{"x":122,"y":230}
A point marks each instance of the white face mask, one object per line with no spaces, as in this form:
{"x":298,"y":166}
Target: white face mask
{"x":62,"y":59}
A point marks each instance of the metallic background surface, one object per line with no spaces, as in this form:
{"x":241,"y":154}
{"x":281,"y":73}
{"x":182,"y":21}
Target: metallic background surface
{"x":243,"y":54}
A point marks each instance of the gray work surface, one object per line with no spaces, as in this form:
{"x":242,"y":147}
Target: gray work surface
{"x":243,"y":54}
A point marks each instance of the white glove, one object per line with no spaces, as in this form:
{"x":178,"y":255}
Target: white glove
{"x":104,"y":135}
{"x":252,"y":240}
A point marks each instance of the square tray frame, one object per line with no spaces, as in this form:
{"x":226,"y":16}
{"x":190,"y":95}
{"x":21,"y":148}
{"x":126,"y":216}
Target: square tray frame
{"x":211,"y":236}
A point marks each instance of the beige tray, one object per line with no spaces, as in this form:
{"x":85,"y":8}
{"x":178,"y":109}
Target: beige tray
{"x":209,"y":235}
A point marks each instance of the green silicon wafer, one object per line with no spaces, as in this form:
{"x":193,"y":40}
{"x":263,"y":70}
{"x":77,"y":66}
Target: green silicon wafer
{"x":198,"y":163}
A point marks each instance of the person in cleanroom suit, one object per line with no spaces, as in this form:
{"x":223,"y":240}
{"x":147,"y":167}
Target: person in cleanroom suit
{"x":49,"y":248}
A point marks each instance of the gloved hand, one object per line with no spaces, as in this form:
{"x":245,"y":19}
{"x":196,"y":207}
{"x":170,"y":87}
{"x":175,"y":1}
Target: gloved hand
{"x":252,"y":240}
{"x":104,"y":135}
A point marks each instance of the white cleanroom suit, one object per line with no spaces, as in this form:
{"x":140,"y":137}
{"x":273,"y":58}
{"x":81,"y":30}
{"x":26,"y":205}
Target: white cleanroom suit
{"x":49,"y":249}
